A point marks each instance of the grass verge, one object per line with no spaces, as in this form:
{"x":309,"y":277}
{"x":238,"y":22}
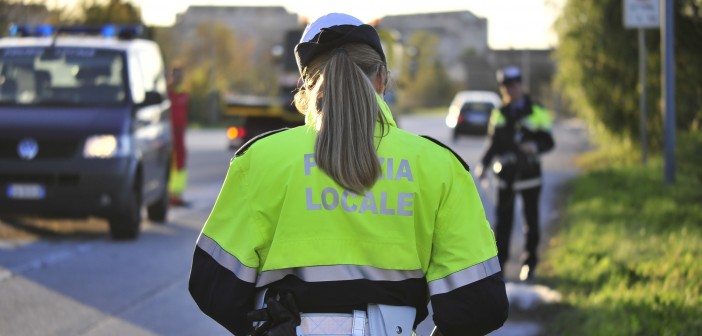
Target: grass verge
{"x":627,"y":256}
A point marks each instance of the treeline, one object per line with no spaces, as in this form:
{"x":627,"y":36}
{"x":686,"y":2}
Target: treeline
{"x":624,"y":253}
{"x":598,"y":69}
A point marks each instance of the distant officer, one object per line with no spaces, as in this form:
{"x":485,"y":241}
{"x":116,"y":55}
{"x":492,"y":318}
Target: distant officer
{"x":180,"y":101}
{"x":347,"y":215}
{"x":520,"y":131}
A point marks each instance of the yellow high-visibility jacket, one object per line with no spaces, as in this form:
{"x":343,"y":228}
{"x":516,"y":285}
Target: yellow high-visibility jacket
{"x":280,"y":222}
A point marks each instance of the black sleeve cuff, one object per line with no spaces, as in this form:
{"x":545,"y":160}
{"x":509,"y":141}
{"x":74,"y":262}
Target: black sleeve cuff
{"x":220,"y":294}
{"x":474,"y":309}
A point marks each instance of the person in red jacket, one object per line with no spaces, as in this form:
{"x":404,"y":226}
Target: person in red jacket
{"x":179,"y":116}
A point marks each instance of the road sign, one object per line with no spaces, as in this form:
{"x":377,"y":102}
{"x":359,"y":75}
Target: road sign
{"x":642,"y":13}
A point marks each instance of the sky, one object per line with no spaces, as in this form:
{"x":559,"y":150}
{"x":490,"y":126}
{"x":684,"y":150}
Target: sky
{"x":511,"y":23}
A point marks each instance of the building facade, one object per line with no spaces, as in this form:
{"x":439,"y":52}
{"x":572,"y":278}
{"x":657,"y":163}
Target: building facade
{"x":265,"y":26}
{"x":462,"y":38}
{"x":459,"y":33}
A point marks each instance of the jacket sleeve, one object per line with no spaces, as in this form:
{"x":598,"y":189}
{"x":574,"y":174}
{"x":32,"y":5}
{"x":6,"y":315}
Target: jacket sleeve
{"x":467,"y":291}
{"x":542,"y":133}
{"x":225,"y":262}
{"x":544,"y":141}
{"x":490,"y":152}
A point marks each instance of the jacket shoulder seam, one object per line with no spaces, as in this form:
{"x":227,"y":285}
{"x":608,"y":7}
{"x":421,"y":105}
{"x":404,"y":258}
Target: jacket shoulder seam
{"x":437,"y":142}
{"x":242,"y":150}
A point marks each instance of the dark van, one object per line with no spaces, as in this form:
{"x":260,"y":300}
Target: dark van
{"x":84,"y":128}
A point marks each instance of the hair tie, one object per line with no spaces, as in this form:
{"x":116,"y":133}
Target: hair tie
{"x":340,"y":50}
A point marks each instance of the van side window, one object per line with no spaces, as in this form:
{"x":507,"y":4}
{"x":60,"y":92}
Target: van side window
{"x":136,"y":79}
{"x":153,"y":71}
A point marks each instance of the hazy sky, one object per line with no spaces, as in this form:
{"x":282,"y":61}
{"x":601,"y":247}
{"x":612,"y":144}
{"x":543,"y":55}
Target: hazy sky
{"x":511,"y":23}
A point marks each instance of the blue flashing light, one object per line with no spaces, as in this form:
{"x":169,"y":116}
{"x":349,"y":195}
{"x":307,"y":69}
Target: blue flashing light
{"x":109,"y":31}
{"x":44,"y":30}
{"x":14,"y":30}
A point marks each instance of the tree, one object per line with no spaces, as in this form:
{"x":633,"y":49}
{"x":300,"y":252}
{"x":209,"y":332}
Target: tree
{"x":217,"y":62}
{"x":229,"y":61}
{"x":423,"y":81}
{"x":98,"y":12}
{"x":4,"y":17}
{"x":599,"y":72}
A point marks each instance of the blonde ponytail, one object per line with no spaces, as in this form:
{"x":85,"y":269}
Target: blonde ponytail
{"x":342,"y":102}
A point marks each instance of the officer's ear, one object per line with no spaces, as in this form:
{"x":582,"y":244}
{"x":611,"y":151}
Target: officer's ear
{"x":380,"y":80}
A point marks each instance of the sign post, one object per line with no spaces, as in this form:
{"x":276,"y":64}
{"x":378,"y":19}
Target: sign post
{"x":668,"y":37}
{"x":642,"y":15}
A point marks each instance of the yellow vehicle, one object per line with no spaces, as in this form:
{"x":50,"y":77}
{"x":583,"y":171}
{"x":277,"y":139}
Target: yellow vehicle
{"x":250,"y":116}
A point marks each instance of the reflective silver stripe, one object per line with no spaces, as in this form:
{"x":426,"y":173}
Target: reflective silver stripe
{"x":526,"y":184}
{"x":507,"y":158}
{"x":225,"y":259}
{"x":464,"y":277}
{"x":522,"y":184}
{"x":510,"y":158}
{"x":338,"y":273}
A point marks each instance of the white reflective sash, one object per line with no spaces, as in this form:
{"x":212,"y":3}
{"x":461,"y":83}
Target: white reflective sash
{"x":355,"y":324}
{"x":380,"y":320}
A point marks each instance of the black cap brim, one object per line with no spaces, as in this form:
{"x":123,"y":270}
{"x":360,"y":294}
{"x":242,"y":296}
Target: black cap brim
{"x":334,"y":37}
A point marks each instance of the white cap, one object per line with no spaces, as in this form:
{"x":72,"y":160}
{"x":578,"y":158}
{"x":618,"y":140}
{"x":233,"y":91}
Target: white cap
{"x":509,"y":74}
{"x":326,"y":21}
{"x":512,"y":72}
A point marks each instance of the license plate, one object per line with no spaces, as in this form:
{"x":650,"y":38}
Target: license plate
{"x":26,"y":191}
{"x":476,"y":118}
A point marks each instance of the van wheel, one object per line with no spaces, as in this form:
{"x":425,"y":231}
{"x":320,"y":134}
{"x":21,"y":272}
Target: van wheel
{"x":125,"y":225}
{"x":158,"y":211}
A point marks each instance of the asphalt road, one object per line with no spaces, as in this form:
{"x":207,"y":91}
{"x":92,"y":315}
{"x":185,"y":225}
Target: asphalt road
{"x":68,"y":278}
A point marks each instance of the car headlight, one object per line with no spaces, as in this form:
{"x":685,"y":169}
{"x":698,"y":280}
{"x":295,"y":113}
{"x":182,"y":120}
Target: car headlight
{"x":106,"y":146}
{"x":452,"y":117}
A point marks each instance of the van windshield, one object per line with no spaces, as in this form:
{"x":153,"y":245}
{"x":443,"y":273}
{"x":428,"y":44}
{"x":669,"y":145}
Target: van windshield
{"x":62,"y":76}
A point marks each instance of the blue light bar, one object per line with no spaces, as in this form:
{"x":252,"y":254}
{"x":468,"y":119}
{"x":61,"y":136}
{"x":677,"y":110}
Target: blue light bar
{"x":44,"y":30}
{"x":109,"y":30}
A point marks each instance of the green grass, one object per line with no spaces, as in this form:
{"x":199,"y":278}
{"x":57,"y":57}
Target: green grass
{"x":627,"y":257}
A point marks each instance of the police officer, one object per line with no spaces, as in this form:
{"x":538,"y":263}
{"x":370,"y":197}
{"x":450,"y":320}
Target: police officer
{"x":520,"y":132}
{"x":348,"y":214}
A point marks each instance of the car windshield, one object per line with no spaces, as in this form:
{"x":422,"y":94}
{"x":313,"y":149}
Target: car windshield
{"x":61,"y":76}
{"x":477,"y":107}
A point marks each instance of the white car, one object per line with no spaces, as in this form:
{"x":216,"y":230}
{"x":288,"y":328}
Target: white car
{"x":469,"y":112}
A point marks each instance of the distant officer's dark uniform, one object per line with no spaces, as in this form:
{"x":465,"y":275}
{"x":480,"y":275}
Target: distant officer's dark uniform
{"x":524,"y":123}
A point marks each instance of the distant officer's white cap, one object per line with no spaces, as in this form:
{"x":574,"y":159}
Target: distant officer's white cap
{"x":510,"y":74}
